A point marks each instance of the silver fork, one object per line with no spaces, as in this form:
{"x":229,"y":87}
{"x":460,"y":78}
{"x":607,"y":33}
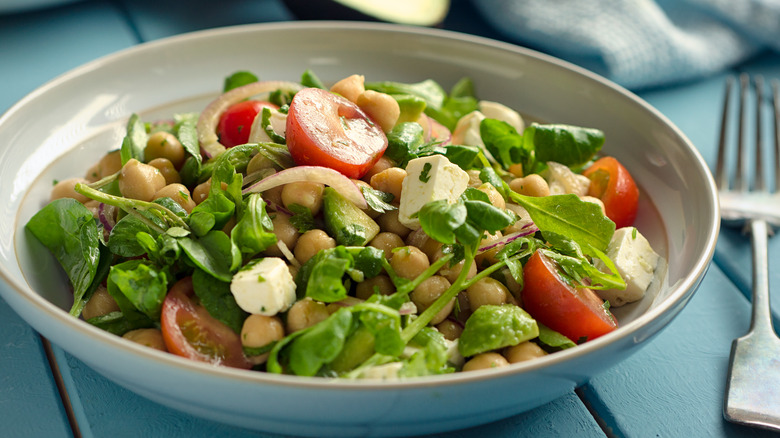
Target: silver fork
{"x":753,"y":385}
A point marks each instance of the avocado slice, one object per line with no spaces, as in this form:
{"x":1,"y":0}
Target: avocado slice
{"x":345,"y":222}
{"x":411,"y":107}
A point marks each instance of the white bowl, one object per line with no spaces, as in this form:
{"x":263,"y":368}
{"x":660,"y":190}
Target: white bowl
{"x":54,"y":131}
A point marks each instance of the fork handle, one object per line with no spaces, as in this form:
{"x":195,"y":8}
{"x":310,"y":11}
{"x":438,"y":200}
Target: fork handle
{"x":761,"y":320}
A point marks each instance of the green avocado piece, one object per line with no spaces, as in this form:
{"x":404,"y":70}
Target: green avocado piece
{"x":411,"y":107}
{"x":345,"y":222}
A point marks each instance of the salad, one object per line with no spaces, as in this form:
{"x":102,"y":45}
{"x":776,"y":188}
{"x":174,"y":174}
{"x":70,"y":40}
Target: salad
{"x":377,"y":230}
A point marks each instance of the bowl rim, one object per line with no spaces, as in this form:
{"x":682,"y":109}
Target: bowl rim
{"x":681,"y":291}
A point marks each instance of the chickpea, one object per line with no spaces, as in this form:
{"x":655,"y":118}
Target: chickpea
{"x":99,"y":304}
{"x":274,"y":195}
{"x":350,"y":87}
{"x":312,"y":242}
{"x":523,"y":351}
{"x":487,"y":291}
{"x":531,"y":185}
{"x":390,"y":181}
{"x":421,"y":240}
{"x":389,"y":222}
{"x":261,"y":330}
{"x":110,"y":164}
{"x":381,"y":164}
{"x":305,"y":313}
{"x":307,"y":194}
{"x":382,"y":108}
{"x":285,"y":232}
{"x":485,"y":361}
{"x":179,"y":193}
{"x":380,"y":283}
{"x":516,"y":170}
{"x":451,"y":273}
{"x":150,"y":337}
{"x":514,"y":288}
{"x":201,"y":191}
{"x":163,"y":144}
{"x":409,"y":262}
{"x":495,"y":198}
{"x":140,"y":181}
{"x":259,"y":162}
{"x":94,"y":207}
{"x":474,"y":180}
{"x":489,"y":256}
{"x":596,"y":201}
{"x":429,"y":291}
{"x":387,"y":242}
{"x":165,"y":167}
{"x":450,"y":329}
{"x":66,"y":189}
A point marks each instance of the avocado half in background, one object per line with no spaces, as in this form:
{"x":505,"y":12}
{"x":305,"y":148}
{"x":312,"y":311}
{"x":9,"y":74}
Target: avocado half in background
{"x":411,"y":12}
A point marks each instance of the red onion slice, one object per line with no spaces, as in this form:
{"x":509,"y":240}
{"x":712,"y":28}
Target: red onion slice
{"x":526,"y":231}
{"x":209,"y":118}
{"x":318,"y":174}
{"x":106,"y":215}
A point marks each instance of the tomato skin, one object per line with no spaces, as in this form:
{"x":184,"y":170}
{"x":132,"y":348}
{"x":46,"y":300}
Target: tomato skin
{"x":613,"y":184}
{"x":182,"y":320}
{"x":577,"y":313}
{"x":324,"y":129}
{"x":235,"y":123}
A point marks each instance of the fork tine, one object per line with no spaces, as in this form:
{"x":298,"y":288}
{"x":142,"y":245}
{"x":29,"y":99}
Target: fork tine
{"x":721,"y":177}
{"x":759,"y":183}
{"x":776,"y":120}
{"x":740,"y":182}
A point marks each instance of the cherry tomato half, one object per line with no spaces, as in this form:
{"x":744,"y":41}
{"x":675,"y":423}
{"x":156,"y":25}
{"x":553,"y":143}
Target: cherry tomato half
{"x":611,"y":182}
{"x":577,"y":313}
{"x":235,"y":123}
{"x":324,"y":129}
{"x":189,"y":331}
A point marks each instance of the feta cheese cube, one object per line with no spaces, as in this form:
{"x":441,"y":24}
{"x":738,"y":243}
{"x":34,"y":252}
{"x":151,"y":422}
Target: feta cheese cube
{"x":635,"y":261}
{"x":429,"y":179}
{"x":265,"y":287}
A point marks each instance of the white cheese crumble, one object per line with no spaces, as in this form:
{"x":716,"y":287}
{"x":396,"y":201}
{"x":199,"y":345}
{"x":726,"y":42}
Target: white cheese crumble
{"x":635,"y":261}
{"x":429,"y":179}
{"x":265,"y":287}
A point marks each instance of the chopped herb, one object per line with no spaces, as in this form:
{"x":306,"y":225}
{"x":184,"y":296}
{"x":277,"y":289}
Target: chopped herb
{"x":425,"y":174}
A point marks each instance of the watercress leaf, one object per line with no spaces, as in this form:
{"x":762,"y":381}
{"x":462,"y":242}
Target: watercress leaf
{"x":130,"y":312}
{"x":385,"y":324}
{"x":505,"y":144}
{"x":491,"y":327}
{"x":463,"y":88}
{"x":489,"y":175}
{"x":122,"y":239}
{"x":569,"y":145}
{"x":214,"y":252}
{"x":583,"y":222}
{"x":452,"y":110}
{"x":213,"y":213}
{"x":326,"y":279}
{"x":187,"y":132}
{"x":464,"y":156}
{"x":552,"y":340}
{"x":238,"y":79}
{"x":431,"y":357}
{"x":309,"y":79}
{"x":466,"y":234}
{"x":474,"y":195}
{"x":517,"y":250}
{"x":134,"y":143}
{"x":216,"y":297}
{"x":369,"y":261}
{"x":488,"y":217}
{"x":116,"y":323}
{"x":320,"y":344}
{"x":377,"y":200}
{"x":143,"y":285}
{"x":67,"y":229}
{"x":302,"y":219}
{"x":253,"y":231}
{"x":439,"y":219}
{"x":429,"y":90}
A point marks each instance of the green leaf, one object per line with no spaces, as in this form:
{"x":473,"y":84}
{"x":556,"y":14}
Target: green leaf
{"x":309,"y":79}
{"x":464,"y":156}
{"x":485,"y":216}
{"x":69,"y":231}
{"x":569,"y":145}
{"x":117,"y":323}
{"x":253,"y":231}
{"x":369,"y":261}
{"x":319,"y":345}
{"x":554,"y":340}
{"x":134,"y":143}
{"x":377,"y":200}
{"x":505,"y":143}
{"x":302,"y":219}
{"x":491,"y":327}
{"x":238,"y":79}
{"x":583,"y":222}
{"x":214,"y":252}
{"x":142,"y":284}
{"x":439,"y":219}
{"x":429,"y":90}
{"x":216,"y":297}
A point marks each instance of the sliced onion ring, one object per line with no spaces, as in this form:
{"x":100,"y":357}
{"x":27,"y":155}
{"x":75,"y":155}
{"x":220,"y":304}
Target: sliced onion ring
{"x":317,"y":174}
{"x":526,"y":231}
{"x":209,"y":118}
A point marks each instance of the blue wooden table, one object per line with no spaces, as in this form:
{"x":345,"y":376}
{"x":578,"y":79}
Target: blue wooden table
{"x":672,"y":388}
